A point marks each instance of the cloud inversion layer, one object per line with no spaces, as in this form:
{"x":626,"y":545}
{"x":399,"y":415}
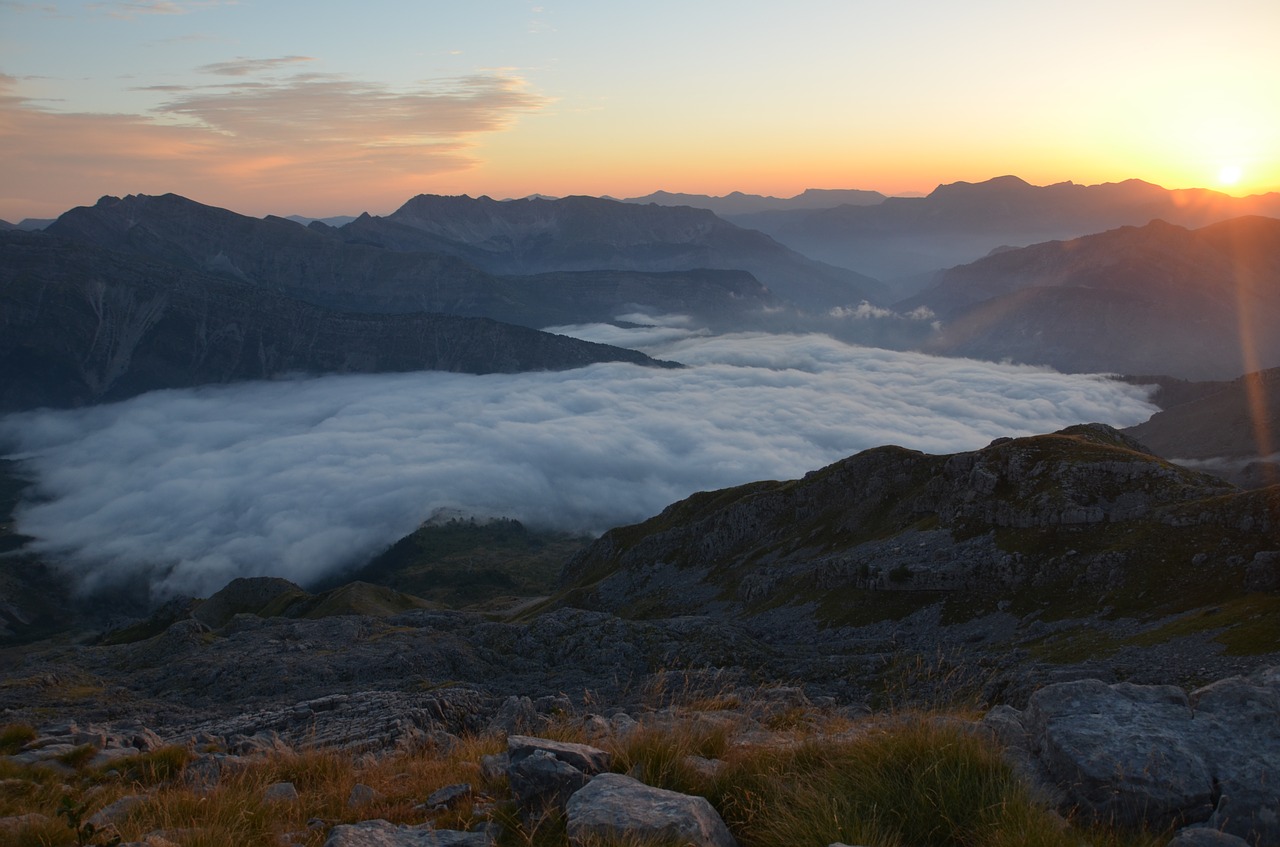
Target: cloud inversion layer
{"x":303,"y":478}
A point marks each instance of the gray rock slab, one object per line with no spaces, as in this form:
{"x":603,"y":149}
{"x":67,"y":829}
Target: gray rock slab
{"x":380,"y":833}
{"x":590,"y":760}
{"x":617,"y":808}
{"x":1152,"y":755}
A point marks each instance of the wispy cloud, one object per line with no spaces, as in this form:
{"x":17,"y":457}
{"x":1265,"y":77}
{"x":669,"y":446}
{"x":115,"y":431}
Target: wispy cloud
{"x":47,"y":9}
{"x":256,"y":145}
{"x":245,"y":67}
{"x":137,"y":8}
{"x":301,"y":479}
{"x":311,"y":108}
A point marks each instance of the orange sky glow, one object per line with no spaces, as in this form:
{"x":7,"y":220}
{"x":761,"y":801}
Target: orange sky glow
{"x":261,"y":111}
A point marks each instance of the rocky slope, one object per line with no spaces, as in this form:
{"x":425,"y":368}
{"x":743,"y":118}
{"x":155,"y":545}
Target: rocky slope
{"x":961,"y":222}
{"x":1080,"y":526}
{"x":318,"y":266}
{"x":1232,"y":429}
{"x":587,"y":233}
{"x":84,"y":325}
{"x":1194,"y":304}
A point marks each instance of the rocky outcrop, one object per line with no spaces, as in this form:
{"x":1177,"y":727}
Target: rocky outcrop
{"x":1085,"y":508}
{"x":1139,"y":755}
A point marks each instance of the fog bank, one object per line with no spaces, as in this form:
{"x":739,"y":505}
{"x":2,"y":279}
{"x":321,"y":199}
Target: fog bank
{"x":303,"y":478}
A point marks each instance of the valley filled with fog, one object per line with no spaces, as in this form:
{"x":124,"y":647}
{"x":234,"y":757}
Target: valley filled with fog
{"x":304,"y":478}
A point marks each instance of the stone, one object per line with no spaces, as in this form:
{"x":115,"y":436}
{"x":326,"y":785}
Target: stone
{"x":494,"y":766}
{"x":13,"y":823}
{"x":517,"y":714}
{"x":616,"y":808}
{"x":380,"y":833}
{"x":1155,"y":756}
{"x":280,"y":792}
{"x":588,"y":759}
{"x":116,"y":812}
{"x":363,"y":795}
{"x":1202,"y":837}
{"x":450,"y":795}
{"x":1122,"y":751}
{"x":542,"y":783}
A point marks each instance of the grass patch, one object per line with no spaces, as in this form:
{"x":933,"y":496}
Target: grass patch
{"x":915,"y":781}
{"x":15,"y":736}
{"x":1250,"y":626}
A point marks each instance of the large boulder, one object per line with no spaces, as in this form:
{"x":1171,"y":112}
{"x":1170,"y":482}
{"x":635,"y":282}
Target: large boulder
{"x":618,"y":809}
{"x":544,"y":774}
{"x":1136,"y":755}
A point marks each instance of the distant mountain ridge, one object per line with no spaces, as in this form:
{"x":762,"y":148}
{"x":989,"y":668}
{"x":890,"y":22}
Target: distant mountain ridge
{"x":80,"y":324}
{"x":319,"y":265}
{"x":1159,"y":298}
{"x":1233,"y":428}
{"x":960,"y":222}
{"x":589,"y":234}
{"x":738,"y":203}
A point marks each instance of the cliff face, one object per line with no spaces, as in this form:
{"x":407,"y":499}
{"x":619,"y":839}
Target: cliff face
{"x":1070,"y":522}
{"x":82,"y":325}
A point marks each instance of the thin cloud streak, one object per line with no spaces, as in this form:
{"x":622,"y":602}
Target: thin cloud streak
{"x":302,"y":479}
{"x":315,"y":140}
{"x":137,"y":8}
{"x":245,"y":67}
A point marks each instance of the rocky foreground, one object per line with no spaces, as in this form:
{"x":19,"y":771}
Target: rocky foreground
{"x":1206,"y":763}
{"x":1106,"y":618}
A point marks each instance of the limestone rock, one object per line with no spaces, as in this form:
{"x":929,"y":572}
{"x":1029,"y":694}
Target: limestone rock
{"x":584,"y":757}
{"x":450,"y":795}
{"x":620,"y":809}
{"x":280,"y":792}
{"x":116,"y":812}
{"x":1202,"y":837}
{"x":363,"y":795}
{"x":543,"y":783}
{"x":1152,"y":755}
{"x":380,"y":833}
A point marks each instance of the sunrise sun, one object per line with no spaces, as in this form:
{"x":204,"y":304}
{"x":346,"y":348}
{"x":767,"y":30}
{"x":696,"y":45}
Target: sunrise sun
{"x":1229,"y":175}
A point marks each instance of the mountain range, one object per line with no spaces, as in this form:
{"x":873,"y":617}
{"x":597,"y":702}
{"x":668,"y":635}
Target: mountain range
{"x":902,"y":240}
{"x":1154,"y":299}
{"x":81,"y":324}
{"x":738,"y":203}
{"x":538,"y":235}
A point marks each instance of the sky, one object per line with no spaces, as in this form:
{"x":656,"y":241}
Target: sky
{"x":188,"y":489}
{"x":324,"y":108}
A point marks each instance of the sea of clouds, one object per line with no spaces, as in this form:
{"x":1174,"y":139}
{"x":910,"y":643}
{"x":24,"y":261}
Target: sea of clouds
{"x":303,"y":478}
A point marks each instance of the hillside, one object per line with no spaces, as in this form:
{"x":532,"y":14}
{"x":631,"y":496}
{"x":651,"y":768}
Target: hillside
{"x":1193,"y":304}
{"x":1083,"y":528}
{"x":87,"y":325}
{"x":1232,"y":431}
